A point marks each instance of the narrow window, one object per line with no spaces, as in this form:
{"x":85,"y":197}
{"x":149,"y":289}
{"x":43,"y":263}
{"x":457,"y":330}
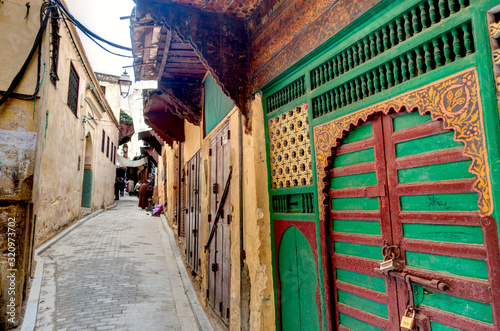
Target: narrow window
{"x":74,"y":81}
{"x":112,"y":151}
{"x":114,"y":156}
{"x":107,"y":149}
{"x":103,"y":140}
{"x":103,"y":88}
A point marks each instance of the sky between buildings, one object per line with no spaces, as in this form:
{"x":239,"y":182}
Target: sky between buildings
{"x":103,"y":18}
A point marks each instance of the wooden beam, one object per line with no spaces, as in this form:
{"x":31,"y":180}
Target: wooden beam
{"x":185,"y":65}
{"x":185,"y":71}
{"x":146,"y":53}
{"x":180,"y":46}
{"x":165,"y":54}
{"x":184,"y":59}
{"x":183,"y":53}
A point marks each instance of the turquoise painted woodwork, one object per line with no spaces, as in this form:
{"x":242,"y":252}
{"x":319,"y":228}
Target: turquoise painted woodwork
{"x":298,"y":282}
{"x":87,"y":188}
{"x":217,"y":104}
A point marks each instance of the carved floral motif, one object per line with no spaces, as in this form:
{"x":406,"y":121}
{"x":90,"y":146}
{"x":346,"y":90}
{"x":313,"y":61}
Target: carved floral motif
{"x":455,"y":100}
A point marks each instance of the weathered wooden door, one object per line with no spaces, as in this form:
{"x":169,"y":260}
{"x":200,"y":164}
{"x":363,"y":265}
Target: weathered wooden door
{"x":182,"y":193}
{"x":400,"y":183}
{"x":176,"y":188}
{"x":193,"y":215}
{"x":298,"y":282}
{"x":219,"y":249}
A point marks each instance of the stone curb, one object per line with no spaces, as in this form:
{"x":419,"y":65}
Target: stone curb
{"x":199,"y":313}
{"x":29,"y":320}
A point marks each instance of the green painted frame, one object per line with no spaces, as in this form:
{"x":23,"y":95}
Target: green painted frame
{"x":479,"y":63}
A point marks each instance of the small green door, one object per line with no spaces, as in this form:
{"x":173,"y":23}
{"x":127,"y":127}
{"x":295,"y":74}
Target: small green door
{"x":298,"y":282}
{"x":87,"y":188}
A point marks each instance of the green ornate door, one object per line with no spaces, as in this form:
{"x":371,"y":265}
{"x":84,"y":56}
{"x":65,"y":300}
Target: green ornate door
{"x":298,"y":282}
{"x":401,"y":182}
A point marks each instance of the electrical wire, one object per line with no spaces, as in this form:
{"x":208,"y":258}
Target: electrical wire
{"x":20,"y":74}
{"x":36,"y":91}
{"x":87,"y":31}
{"x":65,"y":15}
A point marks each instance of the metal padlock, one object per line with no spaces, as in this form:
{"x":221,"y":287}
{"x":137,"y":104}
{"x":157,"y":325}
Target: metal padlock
{"x":408,"y":322}
{"x":386,"y":266}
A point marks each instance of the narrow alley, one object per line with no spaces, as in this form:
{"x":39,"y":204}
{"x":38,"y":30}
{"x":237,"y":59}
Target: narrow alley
{"x":116,"y":271}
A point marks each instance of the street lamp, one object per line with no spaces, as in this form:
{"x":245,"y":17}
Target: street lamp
{"x":125,"y":83}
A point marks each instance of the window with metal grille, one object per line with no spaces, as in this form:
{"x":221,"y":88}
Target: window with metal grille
{"x":107,"y":149}
{"x":73,"y":89}
{"x":112,"y":151}
{"x":103,"y":140}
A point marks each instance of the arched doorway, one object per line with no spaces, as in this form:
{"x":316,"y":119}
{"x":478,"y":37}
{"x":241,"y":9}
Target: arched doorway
{"x":87,"y":174}
{"x":400,"y":181}
{"x":298,"y":282}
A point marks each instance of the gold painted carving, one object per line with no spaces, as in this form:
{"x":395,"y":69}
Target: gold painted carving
{"x":496,"y":56}
{"x":495,"y":30}
{"x":290,"y":148}
{"x":454,"y":99}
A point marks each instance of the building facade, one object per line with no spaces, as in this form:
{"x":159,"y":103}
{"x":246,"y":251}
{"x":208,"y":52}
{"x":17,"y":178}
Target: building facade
{"x":362,"y":132}
{"x":58,"y":141}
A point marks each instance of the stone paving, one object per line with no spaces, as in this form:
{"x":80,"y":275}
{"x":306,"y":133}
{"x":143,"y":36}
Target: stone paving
{"x":116,"y":271}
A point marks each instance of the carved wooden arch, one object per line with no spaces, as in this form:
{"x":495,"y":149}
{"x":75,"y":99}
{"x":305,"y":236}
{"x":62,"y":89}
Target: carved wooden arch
{"x":455,"y":100}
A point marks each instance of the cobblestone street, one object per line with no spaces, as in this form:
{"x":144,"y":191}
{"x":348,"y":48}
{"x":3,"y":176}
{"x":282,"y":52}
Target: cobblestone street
{"x":116,"y":271}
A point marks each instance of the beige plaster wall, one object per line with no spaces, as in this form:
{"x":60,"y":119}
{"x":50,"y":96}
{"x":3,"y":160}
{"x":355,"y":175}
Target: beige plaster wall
{"x":16,"y":40}
{"x":17,"y":156}
{"x":112,"y":96}
{"x":61,"y":153}
{"x":257,"y":225}
{"x":17,"y":152}
{"x":192,"y":144}
{"x":252,"y":293}
{"x":102,"y":166}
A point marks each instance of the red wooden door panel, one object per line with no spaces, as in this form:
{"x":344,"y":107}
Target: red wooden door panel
{"x":401,"y":180}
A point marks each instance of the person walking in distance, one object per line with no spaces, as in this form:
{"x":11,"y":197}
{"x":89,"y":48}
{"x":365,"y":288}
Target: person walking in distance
{"x":131,"y":186}
{"x":143,"y":195}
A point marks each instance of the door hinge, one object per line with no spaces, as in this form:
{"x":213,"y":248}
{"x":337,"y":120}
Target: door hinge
{"x":195,"y":232}
{"x":228,"y":219}
{"x":209,"y":218}
{"x":228,"y":134}
{"x":215,"y":188}
{"x":210,"y":152}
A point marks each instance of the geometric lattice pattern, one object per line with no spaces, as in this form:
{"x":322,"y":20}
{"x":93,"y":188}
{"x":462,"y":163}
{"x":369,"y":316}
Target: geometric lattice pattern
{"x":290,"y":148}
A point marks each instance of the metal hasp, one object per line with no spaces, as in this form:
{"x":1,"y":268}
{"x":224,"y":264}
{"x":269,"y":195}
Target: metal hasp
{"x":219,"y":210}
